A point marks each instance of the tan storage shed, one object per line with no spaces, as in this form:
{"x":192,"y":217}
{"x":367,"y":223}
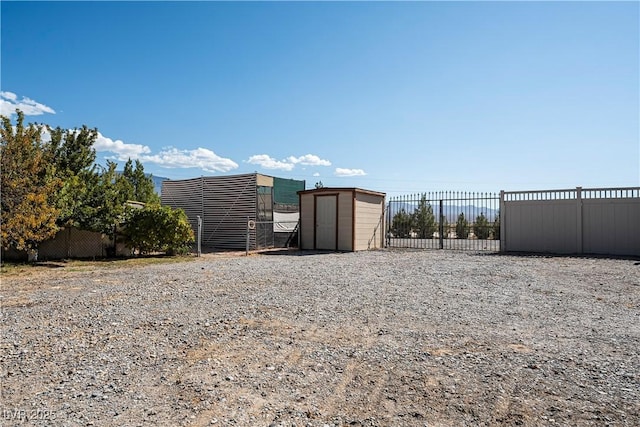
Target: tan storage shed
{"x":341,"y":219}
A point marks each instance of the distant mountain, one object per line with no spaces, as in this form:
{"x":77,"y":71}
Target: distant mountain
{"x":450,"y":212}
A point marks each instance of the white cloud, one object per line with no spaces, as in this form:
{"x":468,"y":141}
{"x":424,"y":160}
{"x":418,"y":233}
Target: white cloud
{"x":122,"y":150}
{"x":309,"y":160}
{"x":9,"y":95}
{"x":202,"y":158}
{"x":316,"y":174}
{"x":289,"y":163}
{"x":169,"y":157}
{"x":9,"y":103}
{"x":269,"y":162}
{"x":46,"y":135}
{"x":349,"y":172}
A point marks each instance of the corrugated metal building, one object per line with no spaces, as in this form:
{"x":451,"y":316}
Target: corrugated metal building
{"x":226,"y":203}
{"x":342,"y":219}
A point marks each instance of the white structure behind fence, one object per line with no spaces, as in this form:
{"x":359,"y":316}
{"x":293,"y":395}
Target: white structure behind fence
{"x":574,"y":221}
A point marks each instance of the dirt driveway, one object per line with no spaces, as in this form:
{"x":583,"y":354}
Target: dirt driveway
{"x":381,"y":338}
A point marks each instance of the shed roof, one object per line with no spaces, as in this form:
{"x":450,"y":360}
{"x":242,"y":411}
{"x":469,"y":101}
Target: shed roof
{"x":341,"y":189}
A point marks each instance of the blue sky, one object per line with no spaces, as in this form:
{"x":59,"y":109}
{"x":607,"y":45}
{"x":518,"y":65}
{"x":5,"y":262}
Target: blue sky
{"x":399,"y":97}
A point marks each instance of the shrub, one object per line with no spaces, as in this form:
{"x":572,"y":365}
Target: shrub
{"x":158,"y":228}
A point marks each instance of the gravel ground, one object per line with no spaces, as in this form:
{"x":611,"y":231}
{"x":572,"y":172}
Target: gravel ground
{"x":389,"y":338}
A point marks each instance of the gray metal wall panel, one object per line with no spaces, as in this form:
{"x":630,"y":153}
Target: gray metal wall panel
{"x":229,"y":201}
{"x":185,"y":194}
{"x":223,"y":202}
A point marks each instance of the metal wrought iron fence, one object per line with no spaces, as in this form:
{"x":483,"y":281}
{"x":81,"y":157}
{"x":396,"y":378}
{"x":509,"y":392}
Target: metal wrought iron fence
{"x":444,"y":220}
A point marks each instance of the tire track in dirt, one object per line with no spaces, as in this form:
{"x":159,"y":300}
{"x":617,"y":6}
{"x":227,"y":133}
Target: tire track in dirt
{"x":355,"y":366}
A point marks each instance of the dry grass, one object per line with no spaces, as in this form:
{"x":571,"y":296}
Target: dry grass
{"x":12,"y":269}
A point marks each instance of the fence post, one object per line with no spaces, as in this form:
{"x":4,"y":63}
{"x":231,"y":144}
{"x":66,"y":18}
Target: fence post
{"x":441,"y":227}
{"x":388,"y":225}
{"x":199,"y":235}
{"x":579,"y":229}
{"x":502,"y":212}
{"x":248,"y":231}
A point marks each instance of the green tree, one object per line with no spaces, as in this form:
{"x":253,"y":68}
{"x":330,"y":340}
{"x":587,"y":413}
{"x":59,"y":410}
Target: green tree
{"x":93,"y":197}
{"x":496,"y":228}
{"x":106,"y":192}
{"x":462,"y":227}
{"x":28,"y":186}
{"x":71,"y":150}
{"x":158,"y":228}
{"x":72,"y":155}
{"x":423,"y":219}
{"x":104,"y":204}
{"x":126,"y":183}
{"x":142,"y":187}
{"x":47,"y":185}
{"x":402,"y":224}
{"x":481,"y":227}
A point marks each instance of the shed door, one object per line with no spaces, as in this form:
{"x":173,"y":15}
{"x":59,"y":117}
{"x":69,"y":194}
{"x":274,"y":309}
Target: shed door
{"x":326,"y":222}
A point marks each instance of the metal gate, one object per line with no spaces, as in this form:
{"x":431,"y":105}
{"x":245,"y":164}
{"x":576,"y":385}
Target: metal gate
{"x":444,"y":220}
{"x":274,"y":234}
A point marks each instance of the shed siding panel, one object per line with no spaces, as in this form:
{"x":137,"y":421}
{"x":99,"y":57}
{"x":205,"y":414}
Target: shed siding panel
{"x":307,"y":221}
{"x":358,"y":218}
{"x":369,"y":214}
{"x":345,"y":221}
